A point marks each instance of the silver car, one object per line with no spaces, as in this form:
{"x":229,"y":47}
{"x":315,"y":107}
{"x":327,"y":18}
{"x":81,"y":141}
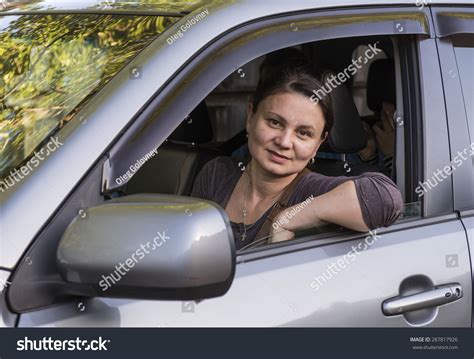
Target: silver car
{"x":109,"y":109}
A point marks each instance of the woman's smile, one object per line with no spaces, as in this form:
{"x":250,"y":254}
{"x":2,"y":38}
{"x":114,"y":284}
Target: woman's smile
{"x":276,"y":157}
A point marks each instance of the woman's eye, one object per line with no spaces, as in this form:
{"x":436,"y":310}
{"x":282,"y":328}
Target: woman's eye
{"x":274,"y":122}
{"x":305,"y":133}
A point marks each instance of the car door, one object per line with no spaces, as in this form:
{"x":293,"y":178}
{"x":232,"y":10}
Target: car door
{"x":455,"y":29}
{"x":385,"y":278}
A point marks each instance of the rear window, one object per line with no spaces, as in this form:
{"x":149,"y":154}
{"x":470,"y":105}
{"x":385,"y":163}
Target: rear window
{"x":51,"y":65}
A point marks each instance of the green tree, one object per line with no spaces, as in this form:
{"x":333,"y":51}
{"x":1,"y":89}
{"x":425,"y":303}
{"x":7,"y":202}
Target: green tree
{"x":50,"y":65}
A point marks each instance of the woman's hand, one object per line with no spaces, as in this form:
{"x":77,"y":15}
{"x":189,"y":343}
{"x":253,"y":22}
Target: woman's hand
{"x":385,"y":130}
{"x":290,"y":219}
{"x":281,"y":235}
{"x":278,"y":232}
{"x":369,"y":152}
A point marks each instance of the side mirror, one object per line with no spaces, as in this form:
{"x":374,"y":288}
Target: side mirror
{"x":149,"y":247}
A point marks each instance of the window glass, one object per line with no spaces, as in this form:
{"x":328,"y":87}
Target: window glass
{"x":50,"y":65}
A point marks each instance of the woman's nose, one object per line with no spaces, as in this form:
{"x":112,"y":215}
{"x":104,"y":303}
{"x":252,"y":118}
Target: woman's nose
{"x":284,"y":139}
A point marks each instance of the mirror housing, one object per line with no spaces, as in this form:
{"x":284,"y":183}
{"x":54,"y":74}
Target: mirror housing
{"x":149,"y":247}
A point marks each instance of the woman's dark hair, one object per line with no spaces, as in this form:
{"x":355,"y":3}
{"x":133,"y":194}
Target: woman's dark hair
{"x":300,"y":78}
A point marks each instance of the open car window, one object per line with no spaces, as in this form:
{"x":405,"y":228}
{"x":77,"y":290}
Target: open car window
{"x":216,"y":128}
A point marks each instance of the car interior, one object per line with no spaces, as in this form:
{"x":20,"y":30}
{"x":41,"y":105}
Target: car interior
{"x":216,"y":127}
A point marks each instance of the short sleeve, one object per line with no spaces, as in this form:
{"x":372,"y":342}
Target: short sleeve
{"x":380,"y":200}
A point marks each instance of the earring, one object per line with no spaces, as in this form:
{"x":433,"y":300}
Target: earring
{"x":311,"y":161}
{"x":247,"y":135}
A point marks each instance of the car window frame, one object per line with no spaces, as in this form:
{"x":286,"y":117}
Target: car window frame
{"x":189,"y":80}
{"x":172,"y":91}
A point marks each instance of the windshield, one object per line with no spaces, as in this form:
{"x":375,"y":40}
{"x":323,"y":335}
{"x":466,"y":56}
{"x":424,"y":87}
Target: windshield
{"x":50,"y":65}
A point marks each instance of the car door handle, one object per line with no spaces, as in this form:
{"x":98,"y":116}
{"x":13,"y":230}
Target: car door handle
{"x":437,"y":296}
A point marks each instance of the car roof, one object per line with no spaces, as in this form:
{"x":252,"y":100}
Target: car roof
{"x":183,"y":7}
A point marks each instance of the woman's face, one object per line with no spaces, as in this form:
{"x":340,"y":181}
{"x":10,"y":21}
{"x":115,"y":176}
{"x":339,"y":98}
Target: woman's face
{"x":285,"y":132}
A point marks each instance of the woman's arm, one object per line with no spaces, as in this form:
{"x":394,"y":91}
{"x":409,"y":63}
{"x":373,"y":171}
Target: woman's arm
{"x":339,"y":206}
{"x":373,"y":202}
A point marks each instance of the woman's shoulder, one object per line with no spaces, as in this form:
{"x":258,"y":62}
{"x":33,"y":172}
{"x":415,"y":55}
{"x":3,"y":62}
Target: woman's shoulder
{"x":214,"y":179}
{"x":220,"y":171}
{"x":221,"y":164}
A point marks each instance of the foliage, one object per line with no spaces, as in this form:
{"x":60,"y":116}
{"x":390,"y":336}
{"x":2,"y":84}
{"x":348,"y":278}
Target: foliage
{"x":50,"y":65}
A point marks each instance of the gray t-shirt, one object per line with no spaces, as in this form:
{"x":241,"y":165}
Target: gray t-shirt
{"x":380,"y":199}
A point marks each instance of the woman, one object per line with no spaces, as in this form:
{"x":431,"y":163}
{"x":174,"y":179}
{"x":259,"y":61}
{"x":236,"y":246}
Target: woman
{"x":285,"y":130}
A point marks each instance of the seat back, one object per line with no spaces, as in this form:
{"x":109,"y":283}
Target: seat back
{"x":346,"y":136}
{"x":179,"y":159}
{"x":381,"y":84}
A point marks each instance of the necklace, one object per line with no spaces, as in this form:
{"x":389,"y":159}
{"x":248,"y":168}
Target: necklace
{"x":244,"y":211}
{"x":243,"y":237}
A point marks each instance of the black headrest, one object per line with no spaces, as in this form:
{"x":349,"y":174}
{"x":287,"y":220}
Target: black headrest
{"x":347,"y":134}
{"x":194,"y":128}
{"x":381,"y":84}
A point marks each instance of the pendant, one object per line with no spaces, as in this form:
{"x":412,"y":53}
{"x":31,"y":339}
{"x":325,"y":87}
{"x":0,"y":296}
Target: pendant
{"x":244,"y":235}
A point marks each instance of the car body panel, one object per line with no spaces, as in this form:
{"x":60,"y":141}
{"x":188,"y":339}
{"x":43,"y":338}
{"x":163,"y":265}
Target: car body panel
{"x":435,"y":130}
{"x":468,"y":222}
{"x":277,"y":291}
{"x":7,"y":318}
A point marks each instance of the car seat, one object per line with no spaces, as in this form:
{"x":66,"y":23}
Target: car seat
{"x":179,"y":159}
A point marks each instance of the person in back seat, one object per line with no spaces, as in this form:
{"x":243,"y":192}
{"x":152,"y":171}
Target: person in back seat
{"x":381,"y":99}
{"x":380,"y":137}
{"x":275,"y":194}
